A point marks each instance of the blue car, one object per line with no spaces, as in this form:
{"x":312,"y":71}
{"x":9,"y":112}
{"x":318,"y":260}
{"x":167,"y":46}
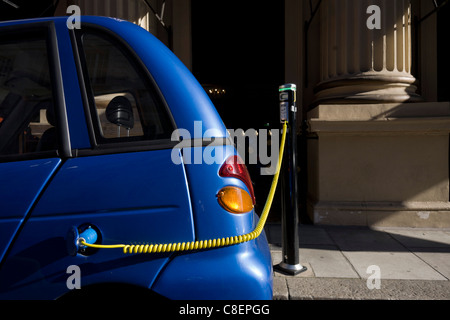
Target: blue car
{"x":106,"y":138}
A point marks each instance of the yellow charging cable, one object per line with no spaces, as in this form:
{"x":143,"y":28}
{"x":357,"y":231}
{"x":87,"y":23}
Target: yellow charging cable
{"x":211,"y":243}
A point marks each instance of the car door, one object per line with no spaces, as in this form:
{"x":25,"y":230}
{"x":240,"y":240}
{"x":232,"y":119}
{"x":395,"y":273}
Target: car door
{"x":29,"y":139}
{"x":125,"y":186}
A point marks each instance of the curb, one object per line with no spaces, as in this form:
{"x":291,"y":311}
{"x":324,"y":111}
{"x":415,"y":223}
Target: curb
{"x":356,"y":289}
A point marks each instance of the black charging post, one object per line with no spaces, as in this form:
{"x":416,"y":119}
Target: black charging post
{"x":290,"y":263}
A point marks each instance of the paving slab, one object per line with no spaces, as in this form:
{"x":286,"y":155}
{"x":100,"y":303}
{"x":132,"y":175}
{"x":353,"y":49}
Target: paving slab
{"x":330,"y":289}
{"x":363,"y":239}
{"x":392,"y":265}
{"x":328,"y":262}
{"x":357,"y":289}
{"x":412,"y":238}
{"x":439,"y":261}
{"x":280,"y":289}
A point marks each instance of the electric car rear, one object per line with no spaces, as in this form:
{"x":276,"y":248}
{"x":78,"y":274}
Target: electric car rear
{"x":106,"y":136}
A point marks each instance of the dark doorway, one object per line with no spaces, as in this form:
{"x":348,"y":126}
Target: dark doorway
{"x":238,"y":56}
{"x":239,"y":46}
{"x":443,"y":52}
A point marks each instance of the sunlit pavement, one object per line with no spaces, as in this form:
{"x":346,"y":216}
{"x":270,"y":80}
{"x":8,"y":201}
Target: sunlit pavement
{"x":363,"y":263}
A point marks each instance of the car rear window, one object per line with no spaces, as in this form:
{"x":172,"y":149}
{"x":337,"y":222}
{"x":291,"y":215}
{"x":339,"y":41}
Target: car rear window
{"x":124,"y":102}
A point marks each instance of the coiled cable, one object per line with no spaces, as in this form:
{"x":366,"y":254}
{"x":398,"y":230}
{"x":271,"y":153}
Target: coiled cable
{"x":211,"y":243}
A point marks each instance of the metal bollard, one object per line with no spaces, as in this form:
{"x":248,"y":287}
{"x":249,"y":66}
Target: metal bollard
{"x":289,"y":191}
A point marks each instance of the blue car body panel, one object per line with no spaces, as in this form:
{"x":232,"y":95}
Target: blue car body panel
{"x":26,"y":179}
{"x":130,"y":197}
{"x":241,"y":272}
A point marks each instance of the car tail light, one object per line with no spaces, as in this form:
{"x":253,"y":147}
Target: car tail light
{"x":234,"y":167}
{"x":235,"y":200}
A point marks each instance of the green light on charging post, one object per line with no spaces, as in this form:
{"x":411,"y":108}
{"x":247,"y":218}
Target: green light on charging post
{"x":288,"y":87}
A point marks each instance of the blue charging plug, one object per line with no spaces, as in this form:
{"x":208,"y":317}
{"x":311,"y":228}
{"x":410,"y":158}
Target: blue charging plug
{"x":89,"y":235}
{"x":74,"y":237}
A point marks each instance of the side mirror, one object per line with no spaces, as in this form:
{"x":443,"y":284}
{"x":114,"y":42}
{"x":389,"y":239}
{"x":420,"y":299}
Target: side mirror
{"x":120,"y":112}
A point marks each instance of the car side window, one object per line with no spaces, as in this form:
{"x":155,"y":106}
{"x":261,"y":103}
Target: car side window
{"x":27,"y":122}
{"x":126,"y":105}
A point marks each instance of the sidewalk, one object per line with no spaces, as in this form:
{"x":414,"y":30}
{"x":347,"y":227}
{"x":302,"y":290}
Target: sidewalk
{"x":413,"y":263}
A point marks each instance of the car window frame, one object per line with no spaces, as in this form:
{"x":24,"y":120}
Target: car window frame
{"x":110,"y":147}
{"x":48,"y":29}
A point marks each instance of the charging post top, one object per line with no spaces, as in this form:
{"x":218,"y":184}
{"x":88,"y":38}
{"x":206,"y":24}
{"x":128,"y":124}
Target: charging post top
{"x":288,"y":98}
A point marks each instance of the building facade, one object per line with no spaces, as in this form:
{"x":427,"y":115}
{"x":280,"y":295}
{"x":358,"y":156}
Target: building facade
{"x":372,"y":90}
{"x":379,"y":134}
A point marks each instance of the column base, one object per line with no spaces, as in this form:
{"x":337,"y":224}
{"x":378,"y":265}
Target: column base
{"x":380,"y":165}
{"x":381,"y":214}
{"x":371,"y":87}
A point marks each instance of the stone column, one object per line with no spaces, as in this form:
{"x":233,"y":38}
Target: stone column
{"x":363,"y":65}
{"x":375,"y":160}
